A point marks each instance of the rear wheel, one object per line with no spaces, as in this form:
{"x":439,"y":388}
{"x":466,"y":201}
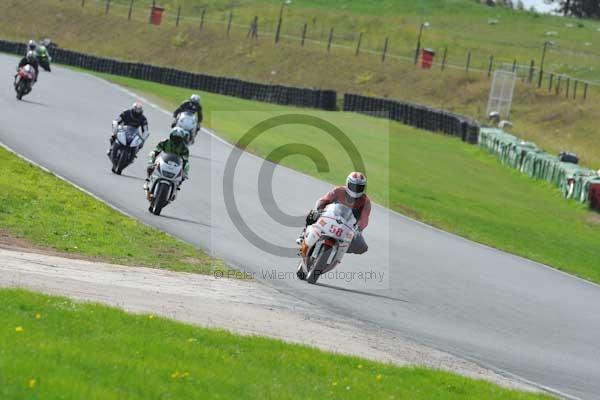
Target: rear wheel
{"x":319,"y":265}
{"x":160,"y":199}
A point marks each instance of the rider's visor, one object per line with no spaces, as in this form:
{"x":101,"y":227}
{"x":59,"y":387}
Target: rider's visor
{"x":356,"y":188}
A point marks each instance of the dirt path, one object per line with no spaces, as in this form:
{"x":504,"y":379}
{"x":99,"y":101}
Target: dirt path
{"x":245,"y":307}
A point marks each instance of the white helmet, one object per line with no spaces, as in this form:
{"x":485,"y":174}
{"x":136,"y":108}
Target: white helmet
{"x":356,"y":183}
{"x":31,"y":45}
{"x":137,"y":108}
{"x":30,"y":56}
{"x":195,"y":99}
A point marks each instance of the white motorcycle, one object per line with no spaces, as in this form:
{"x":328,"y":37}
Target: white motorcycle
{"x":189,"y":123}
{"x":164,"y":182}
{"x":128,"y":142}
{"x":326,"y":242}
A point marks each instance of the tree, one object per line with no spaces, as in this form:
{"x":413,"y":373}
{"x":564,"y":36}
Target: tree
{"x":577,"y":8}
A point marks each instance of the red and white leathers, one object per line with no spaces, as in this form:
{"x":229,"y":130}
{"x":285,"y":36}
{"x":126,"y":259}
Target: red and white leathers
{"x":361,"y":207}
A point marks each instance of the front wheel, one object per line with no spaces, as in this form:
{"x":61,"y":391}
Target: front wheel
{"x":300,"y":273}
{"x":319,"y":265}
{"x":160,"y":199}
{"x":123,"y":161}
{"x":20,"y":89}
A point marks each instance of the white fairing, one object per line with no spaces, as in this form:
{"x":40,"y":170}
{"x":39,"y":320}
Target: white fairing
{"x":189,"y":123}
{"x":130,"y":136}
{"x":169,"y":170}
{"x":337,"y":222}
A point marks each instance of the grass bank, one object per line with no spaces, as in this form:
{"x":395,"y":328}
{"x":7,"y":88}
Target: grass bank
{"x":554,"y":122}
{"x":43,"y":211}
{"x":54,"y":348}
{"x":436,"y":179}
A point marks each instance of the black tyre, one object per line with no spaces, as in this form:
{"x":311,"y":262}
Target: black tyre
{"x":160,"y":199}
{"x":20,"y":90}
{"x":300,"y":272}
{"x":123,"y":161}
{"x":319,"y":265}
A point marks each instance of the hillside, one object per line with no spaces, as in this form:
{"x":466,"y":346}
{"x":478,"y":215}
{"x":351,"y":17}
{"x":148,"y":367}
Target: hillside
{"x":552,"y":121}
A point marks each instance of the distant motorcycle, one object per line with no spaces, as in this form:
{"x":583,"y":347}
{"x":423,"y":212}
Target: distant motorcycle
{"x":326,"y":242}
{"x":24,"y":81}
{"x":43,"y":57}
{"x":189,"y":123}
{"x":127,"y":144}
{"x":164,"y":182}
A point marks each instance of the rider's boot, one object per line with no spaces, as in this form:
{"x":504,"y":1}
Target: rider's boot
{"x":300,"y":239}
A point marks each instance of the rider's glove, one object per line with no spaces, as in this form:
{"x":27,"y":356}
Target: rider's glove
{"x":312,"y":217}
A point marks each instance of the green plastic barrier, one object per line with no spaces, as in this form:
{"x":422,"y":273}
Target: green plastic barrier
{"x":573,"y":180}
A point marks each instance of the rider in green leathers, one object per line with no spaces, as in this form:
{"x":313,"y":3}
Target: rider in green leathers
{"x":175,"y":144}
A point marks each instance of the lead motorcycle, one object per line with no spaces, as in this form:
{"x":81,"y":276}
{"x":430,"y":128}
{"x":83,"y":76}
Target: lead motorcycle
{"x":189,"y":123}
{"x":24,"y":81}
{"x":128,"y":142}
{"x":326,"y":242}
{"x":164,"y":181}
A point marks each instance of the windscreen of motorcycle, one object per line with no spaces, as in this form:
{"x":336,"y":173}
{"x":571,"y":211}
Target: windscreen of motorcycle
{"x":127,"y":135}
{"x":340,"y":212}
{"x":187,"y":122}
{"x":170,"y":165}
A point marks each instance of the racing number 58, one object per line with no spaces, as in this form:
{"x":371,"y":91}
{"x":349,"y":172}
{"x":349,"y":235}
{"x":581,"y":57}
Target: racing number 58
{"x":335,"y":230}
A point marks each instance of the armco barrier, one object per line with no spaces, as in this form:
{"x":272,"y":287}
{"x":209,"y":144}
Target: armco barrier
{"x":416,"y":115}
{"x":575,"y":182}
{"x":299,"y":97}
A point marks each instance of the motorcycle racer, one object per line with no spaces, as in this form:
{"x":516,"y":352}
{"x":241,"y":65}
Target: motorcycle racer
{"x":30,"y":59}
{"x":133,"y":116}
{"x":192,"y":105}
{"x":352,"y":195}
{"x":175,"y":144}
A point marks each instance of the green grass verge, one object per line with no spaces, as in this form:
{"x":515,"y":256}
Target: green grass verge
{"x":437,"y":179}
{"x":53,"y":348}
{"x":50,"y":213}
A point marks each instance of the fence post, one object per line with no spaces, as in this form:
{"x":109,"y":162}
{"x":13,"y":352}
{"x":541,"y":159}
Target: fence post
{"x":178,"y":16}
{"x":385,"y":48}
{"x":107,"y":7}
{"x":304,"y":34}
{"x":550,"y":83}
{"x":491,"y":65}
{"x":514,"y":65}
{"x":130,"y":10}
{"x":278,"y":30}
{"x":568,"y":86}
{"x":444,"y":58}
{"x":585,"y":89}
{"x":575,"y":89}
{"x":330,"y":39}
{"x":229,"y":22}
{"x":468,"y":61}
{"x":531,"y":68}
{"x":558,"y":85}
{"x":358,"y":44}
{"x":255,"y":31}
{"x":202,"y":18}
{"x":82,"y":3}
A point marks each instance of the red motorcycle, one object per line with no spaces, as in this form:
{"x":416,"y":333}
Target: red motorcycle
{"x":24,"y":81}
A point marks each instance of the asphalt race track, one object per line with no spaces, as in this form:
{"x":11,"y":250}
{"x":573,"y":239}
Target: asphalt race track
{"x":499,"y":310}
